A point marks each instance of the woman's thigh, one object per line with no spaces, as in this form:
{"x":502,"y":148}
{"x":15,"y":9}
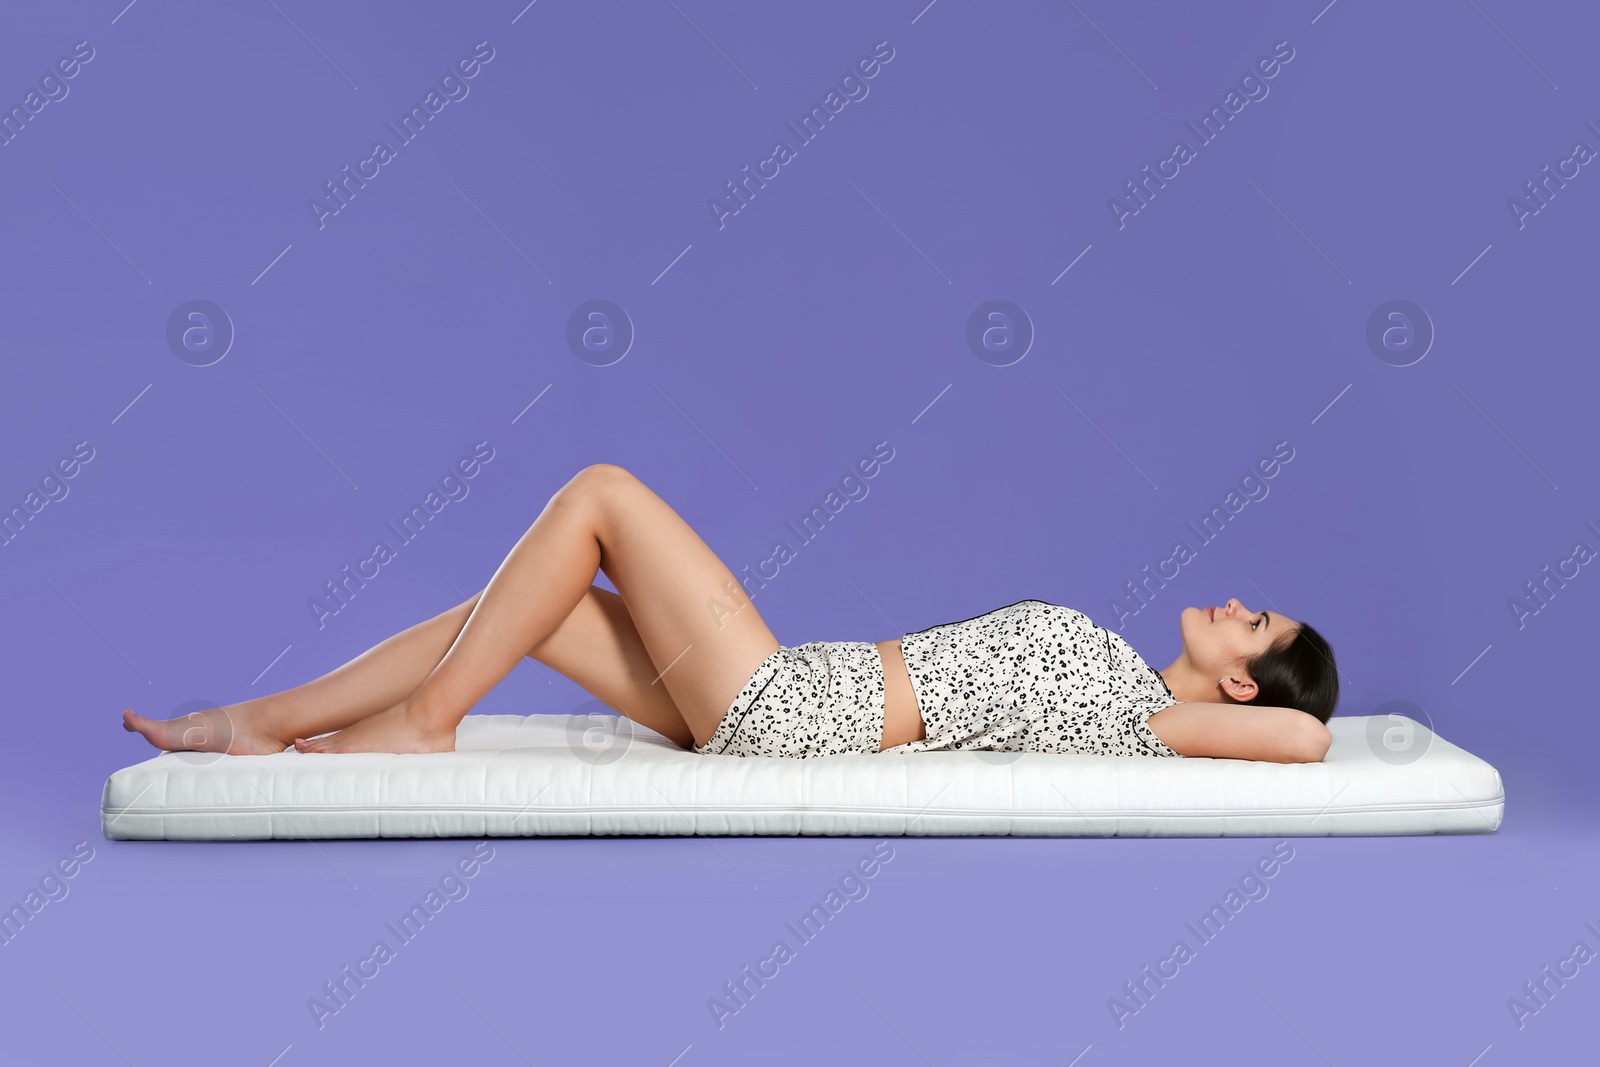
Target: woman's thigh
{"x":700,"y":631}
{"x":599,"y":648}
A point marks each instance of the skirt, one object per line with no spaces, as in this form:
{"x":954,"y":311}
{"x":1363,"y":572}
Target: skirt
{"x":821,"y":698}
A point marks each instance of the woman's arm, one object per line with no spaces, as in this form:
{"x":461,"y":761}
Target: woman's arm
{"x":1242,"y":731}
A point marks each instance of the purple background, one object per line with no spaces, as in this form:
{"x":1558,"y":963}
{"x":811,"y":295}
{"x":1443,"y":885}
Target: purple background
{"x":830,"y":313}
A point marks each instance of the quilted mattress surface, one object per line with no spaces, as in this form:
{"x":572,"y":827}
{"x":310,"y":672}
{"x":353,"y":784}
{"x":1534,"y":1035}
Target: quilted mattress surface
{"x":544,"y":775}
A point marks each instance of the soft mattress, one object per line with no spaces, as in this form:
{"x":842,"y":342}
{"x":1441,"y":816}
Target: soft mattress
{"x":543,"y":775}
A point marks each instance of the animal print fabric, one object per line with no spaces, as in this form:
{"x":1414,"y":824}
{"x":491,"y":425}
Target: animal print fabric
{"x":821,"y":698}
{"x":1028,"y":677}
{"x":1033,"y":677}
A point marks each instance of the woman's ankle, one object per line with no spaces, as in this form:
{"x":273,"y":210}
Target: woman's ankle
{"x":430,"y":710}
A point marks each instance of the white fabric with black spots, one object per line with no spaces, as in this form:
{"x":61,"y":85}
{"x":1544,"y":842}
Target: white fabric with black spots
{"x":1028,"y":677}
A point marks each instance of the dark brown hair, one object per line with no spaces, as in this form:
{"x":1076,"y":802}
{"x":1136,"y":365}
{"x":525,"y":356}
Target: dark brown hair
{"x":1297,"y":673}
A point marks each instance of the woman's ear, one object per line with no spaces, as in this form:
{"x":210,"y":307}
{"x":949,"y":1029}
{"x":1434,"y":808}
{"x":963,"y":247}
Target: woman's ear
{"x":1240,"y":690}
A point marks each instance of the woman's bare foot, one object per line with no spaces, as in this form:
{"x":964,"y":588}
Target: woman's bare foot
{"x":211,"y":730}
{"x":401,"y":728}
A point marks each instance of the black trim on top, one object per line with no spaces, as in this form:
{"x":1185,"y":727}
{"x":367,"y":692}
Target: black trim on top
{"x":1147,"y":666}
{"x":981,"y":614}
{"x":1146,"y":741}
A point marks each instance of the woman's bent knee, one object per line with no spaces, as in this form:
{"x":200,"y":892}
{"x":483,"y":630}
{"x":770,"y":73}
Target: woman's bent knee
{"x":594,"y":481}
{"x":601,"y":476}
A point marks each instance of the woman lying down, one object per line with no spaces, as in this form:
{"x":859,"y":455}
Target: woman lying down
{"x":678,"y":649}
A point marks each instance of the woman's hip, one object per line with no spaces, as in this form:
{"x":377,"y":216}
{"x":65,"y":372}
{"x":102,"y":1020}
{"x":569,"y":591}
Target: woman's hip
{"x":820,"y":698}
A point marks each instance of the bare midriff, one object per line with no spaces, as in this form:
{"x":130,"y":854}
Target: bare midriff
{"x":902,"y":719}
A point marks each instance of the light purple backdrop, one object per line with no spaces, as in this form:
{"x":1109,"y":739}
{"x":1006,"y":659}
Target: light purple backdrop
{"x":350,"y":354}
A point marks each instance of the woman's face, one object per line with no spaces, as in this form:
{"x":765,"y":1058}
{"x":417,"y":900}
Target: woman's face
{"x":1219,"y":639}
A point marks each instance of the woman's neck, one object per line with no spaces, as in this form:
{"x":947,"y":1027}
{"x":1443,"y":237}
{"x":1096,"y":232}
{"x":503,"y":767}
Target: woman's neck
{"x":1188,"y":684}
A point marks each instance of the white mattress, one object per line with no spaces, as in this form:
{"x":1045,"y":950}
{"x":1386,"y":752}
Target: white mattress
{"x":572,"y":774}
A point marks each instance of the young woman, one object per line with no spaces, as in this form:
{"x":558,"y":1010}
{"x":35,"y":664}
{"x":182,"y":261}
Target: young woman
{"x":679,"y":649}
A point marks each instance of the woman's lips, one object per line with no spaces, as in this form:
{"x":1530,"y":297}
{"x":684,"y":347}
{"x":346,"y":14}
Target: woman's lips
{"x":1211,"y":613}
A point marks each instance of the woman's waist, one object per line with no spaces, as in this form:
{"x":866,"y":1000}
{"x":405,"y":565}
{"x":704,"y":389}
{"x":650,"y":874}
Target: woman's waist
{"x":846,"y":668}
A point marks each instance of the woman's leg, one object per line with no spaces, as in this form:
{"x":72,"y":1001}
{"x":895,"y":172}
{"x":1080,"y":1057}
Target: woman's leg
{"x":701,"y":635}
{"x":596,"y":646}
{"x":377,"y":679}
